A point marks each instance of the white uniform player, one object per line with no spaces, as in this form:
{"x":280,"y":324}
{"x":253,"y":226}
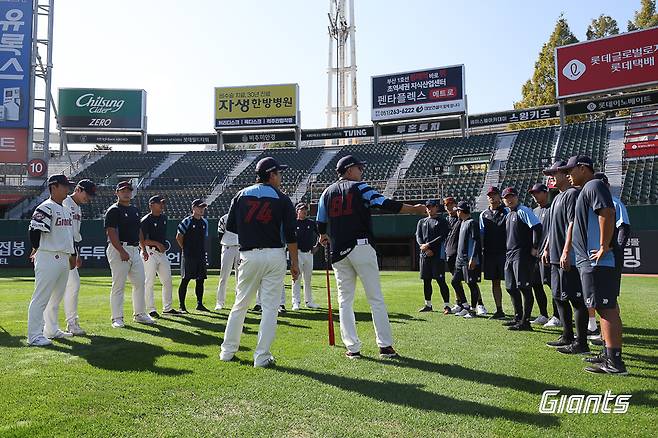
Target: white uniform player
{"x":51,"y":235}
{"x":230,"y":260}
{"x":81,"y":195}
{"x":307,"y":238}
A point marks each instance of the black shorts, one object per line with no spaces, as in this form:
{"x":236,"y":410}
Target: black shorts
{"x":518,"y":273}
{"x":193,"y":268}
{"x":565,"y":285}
{"x":462,"y":273}
{"x":450,"y":263}
{"x":493,"y":266}
{"x":541,"y":274}
{"x":600,"y":286}
{"x":432,"y":268}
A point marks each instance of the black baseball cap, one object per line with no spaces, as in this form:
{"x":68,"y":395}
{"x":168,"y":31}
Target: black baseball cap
{"x":578,"y":160}
{"x":463,"y":206}
{"x":301,"y":206}
{"x":267,"y":165}
{"x":125,"y":185}
{"x":493,"y":190}
{"x":157,"y":199}
{"x":58,"y":178}
{"x":199,"y":203}
{"x":555,"y":167}
{"x":431,"y":203}
{"x":539,"y":187}
{"x":346,"y":162}
{"x":510,"y":191}
{"x":88,"y":186}
{"x":602,"y":176}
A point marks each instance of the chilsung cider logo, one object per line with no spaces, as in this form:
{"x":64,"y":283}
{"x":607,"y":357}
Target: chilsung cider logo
{"x":99,"y":104}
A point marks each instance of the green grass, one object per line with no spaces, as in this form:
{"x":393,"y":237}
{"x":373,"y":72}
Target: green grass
{"x":456,"y":378}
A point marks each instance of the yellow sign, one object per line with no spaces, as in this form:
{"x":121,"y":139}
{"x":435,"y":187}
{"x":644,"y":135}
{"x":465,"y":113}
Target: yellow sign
{"x":256,"y":106}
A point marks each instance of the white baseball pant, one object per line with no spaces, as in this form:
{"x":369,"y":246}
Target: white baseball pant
{"x":230,"y":260}
{"x":157,"y":264}
{"x":51,"y":314}
{"x":282,"y":301}
{"x":50,"y":275}
{"x":133,"y":269}
{"x":264,"y":270}
{"x":305,"y":275}
{"x":361,"y":262}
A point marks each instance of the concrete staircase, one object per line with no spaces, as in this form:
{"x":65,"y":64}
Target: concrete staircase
{"x":237,"y":170}
{"x":502,"y":150}
{"x":614,"y":157}
{"x":318,"y":167}
{"x":412,"y":151}
{"x":166,"y":164}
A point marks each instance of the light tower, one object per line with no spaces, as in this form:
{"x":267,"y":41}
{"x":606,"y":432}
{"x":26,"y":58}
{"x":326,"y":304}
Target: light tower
{"x":342,"y":108}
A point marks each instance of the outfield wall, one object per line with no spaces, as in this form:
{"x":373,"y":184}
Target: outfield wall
{"x":395,"y":238}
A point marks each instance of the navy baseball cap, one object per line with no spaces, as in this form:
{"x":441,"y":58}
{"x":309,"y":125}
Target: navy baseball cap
{"x":493,"y":190}
{"x":157,"y":199}
{"x":88,"y":186}
{"x":602,"y":176}
{"x":301,"y":206}
{"x":578,"y":160}
{"x":59,"y":178}
{"x":463,"y":206}
{"x":431,"y":203}
{"x":555,"y":167}
{"x":125,"y":185}
{"x":510,"y":191}
{"x":199,"y":203}
{"x":346,"y":162}
{"x":539,"y":187}
{"x":267,"y":165}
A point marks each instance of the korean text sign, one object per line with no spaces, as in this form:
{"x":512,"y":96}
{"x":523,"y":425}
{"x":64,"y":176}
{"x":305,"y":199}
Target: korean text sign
{"x":256,"y":106}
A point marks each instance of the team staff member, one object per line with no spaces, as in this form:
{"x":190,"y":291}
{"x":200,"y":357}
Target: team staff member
{"x":264,"y":220}
{"x":53,"y":253}
{"x":154,"y":230}
{"x":230,"y":259}
{"x":307,"y":237}
{"x":541,"y":272}
{"x":594,"y":242}
{"x":565,"y":281}
{"x":82,"y":194}
{"x":191,"y":236}
{"x":467,"y":265}
{"x":344,"y":220}
{"x":492,"y":230}
{"x":431,"y":233}
{"x":123,"y":253}
{"x":452,"y":241}
{"x":523,"y":240}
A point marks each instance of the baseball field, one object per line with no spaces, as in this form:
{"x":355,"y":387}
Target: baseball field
{"x":455,"y":377}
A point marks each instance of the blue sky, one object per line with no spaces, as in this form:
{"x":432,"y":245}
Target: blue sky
{"x":180,"y":50}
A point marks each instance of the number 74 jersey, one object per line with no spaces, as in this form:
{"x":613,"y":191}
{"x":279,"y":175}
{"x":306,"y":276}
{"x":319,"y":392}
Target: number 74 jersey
{"x":262,"y":217}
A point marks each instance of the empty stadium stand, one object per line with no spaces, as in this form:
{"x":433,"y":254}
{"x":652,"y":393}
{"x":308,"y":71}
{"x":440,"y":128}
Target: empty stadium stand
{"x":588,"y":138}
{"x":641,"y":182}
{"x":532,"y":148}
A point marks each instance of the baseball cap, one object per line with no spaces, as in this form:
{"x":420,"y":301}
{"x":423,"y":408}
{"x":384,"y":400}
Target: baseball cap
{"x":602,"y":176}
{"x":578,"y":160}
{"x":124,"y":185}
{"x":493,"y":190}
{"x":199,"y":203}
{"x":539,"y":187}
{"x":346,"y":162}
{"x":59,"y":178}
{"x":88,"y":186}
{"x":431,"y":203}
{"x":301,"y":206}
{"x":267,"y":165}
{"x":157,"y":199}
{"x":510,"y":191}
{"x":555,"y":167}
{"x":463,"y":206}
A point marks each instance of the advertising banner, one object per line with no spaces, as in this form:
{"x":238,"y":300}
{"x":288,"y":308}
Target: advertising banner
{"x":95,"y":109}
{"x":259,"y":106}
{"x":641,"y":148}
{"x":13,"y":145}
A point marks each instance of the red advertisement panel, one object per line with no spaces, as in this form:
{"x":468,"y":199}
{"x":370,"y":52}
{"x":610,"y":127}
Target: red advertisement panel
{"x":621,"y":61}
{"x":641,"y":148}
{"x":13,"y":145}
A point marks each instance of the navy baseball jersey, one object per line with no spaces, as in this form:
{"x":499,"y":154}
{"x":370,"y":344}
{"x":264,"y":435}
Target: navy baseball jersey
{"x":563,"y":211}
{"x":262,"y":217}
{"x":453,"y":235}
{"x":594,"y":196}
{"x":433,"y":230}
{"x":195,"y":232}
{"x":155,"y":228}
{"x":344,"y":214}
{"x":126,"y":220}
{"x":469,"y":246}
{"x":493,"y":232}
{"x":544,"y":216}
{"x":307,"y":235}
{"x":519,"y":225}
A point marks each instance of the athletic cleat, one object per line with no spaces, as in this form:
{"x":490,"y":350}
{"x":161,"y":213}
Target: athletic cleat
{"x":599,"y":358}
{"x":183,"y":310}
{"x":456,"y":308}
{"x":118,"y":323}
{"x":521,"y":327}
{"x":226,"y":357}
{"x":510,"y":323}
{"x":462,"y":312}
{"x":312,"y":305}
{"x":553,"y":322}
{"x":295,"y":307}
{"x":60,"y":334}
{"x":350,"y":355}
{"x":40,"y":341}
{"x":498,"y":315}
{"x":574,"y":349}
{"x":257,"y":308}
{"x":143,"y":318}
{"x":202,"y":308}
{"x":540,"y":320}
{"x":607,"y":367}
{"x":74,"y":327}
{"x":470,"y":314}
{"x":598,"y":342}
{"x":171,"y":312}
{"x":561,"y":342}
{"x":447,"y":310}
{"x":267,"y":364}
{"x":481,"y":310}
{"x":387,"y":353}
{"x":425,"y":308}
{"x":154,"y":314}
{"x":282,"y":309}
{"x":219,"y":306}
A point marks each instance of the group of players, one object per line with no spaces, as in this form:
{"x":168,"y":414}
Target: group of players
{"x":570,"y":244}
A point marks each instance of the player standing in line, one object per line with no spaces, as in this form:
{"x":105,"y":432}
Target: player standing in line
{"x":541,"y":273}
{"x":307,"y":238}
{"x":344,"y":219}
{"x":452,"y":241}
{"x":230,"y":259}
{"x":431,"y":233}
{"x":53,"y":253}
{"x":264,"y":220}
{"x":82,"y":194}
{"x":191,"y":236}
{"x":123,"y":254}
{"x":492,"y":230}
{"x":469,"y":255}
{"x":154,"y":230}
